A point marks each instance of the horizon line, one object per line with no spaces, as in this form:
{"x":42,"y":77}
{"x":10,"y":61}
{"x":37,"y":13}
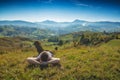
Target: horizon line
{"x":58,"y":21}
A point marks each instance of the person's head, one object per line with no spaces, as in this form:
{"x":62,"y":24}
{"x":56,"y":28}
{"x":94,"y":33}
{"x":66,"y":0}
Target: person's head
{"x":44,"y":56}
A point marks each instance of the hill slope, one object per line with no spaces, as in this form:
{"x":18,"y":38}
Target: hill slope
{"x":28,"y":32}
{"x":88,"y":63}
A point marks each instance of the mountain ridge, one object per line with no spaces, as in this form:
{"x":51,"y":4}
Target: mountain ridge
{"x":67,"y":27}
{"x":76,"y":20}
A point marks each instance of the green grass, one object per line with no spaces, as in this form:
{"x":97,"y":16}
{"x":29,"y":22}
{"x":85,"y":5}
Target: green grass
{"x":114,"y":43}
{"x":66,"y":37}
{"x":80,"y":63}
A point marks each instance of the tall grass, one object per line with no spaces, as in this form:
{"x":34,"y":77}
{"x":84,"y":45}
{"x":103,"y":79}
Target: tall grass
{"x":79,"y":63}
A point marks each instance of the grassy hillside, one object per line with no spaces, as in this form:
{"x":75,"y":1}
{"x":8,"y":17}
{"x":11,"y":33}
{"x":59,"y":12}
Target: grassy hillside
{"x":23,"y":31}
{"x":9,"y":44}
{"x":80,"y":63}
{"x":114,"y":43}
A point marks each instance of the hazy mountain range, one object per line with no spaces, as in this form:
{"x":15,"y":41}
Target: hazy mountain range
{"x":67,"y":27}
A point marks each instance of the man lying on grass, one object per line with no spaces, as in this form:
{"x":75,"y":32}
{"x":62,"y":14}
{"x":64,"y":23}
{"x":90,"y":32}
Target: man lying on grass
{"x":44,"y":58}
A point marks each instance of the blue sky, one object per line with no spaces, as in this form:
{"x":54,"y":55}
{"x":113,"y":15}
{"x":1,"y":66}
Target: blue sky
{"x":60,"y":10}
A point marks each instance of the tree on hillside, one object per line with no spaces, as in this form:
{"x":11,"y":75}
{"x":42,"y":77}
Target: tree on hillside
{"x":53,"y":39}
{"x":60,"y":43}
{"x":94,"y":38}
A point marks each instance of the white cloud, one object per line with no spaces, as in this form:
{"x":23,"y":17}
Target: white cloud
{"x":90,"y":6}
{"x":82,"y":4}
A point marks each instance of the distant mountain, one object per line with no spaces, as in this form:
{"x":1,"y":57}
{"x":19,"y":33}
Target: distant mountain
{"x":78,"y":21}
{"x":68,"y":27}
{"x":18,"y":23}
{"x":48,"y":22}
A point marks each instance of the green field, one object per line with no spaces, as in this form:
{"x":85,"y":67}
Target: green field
{"x":79,"y":63}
